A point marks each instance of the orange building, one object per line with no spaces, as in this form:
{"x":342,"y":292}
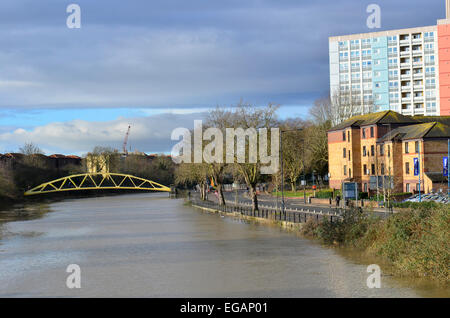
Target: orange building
{"x":382,"y":150}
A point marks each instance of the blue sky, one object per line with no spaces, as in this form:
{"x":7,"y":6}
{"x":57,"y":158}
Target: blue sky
{"x":154,"y":64}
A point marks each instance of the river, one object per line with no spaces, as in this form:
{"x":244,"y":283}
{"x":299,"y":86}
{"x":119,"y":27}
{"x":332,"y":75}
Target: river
{"x":147,"y":245}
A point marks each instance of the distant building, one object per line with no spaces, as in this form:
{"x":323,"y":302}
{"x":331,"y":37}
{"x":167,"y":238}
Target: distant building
{"x":56,"y":161}
{"x":405,"y":70}
{"x":59,"y":161}
{"x":385,"y":146}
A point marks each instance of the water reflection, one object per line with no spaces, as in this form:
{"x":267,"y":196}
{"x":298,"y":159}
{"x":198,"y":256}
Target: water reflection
{"x":21,"y":212}
{"x":151,"y":246}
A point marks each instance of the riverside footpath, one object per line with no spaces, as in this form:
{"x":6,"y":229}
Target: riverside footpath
{"x":296,"y":210}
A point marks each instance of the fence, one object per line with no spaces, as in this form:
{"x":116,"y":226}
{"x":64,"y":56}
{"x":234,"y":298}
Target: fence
{"x":269,"y":212}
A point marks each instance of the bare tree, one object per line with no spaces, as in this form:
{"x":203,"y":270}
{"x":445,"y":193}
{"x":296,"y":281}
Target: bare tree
{"x":193,"y":173}
{"x":30,"y":148}
{"x":340,"y":106}
{"x":317,"y":147}
{"x":247,"y":116}
{"x":294,"y":150}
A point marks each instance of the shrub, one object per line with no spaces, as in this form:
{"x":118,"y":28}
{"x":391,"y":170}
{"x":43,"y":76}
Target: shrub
{"x":418,"y":205}
{"x":324,"y":194}
{"x":309,"y":228}
{"x":415,"y":241}
{"x":345,"y":231}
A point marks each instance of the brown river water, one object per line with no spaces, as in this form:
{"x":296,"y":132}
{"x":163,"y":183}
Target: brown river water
{"x":147,"y":245}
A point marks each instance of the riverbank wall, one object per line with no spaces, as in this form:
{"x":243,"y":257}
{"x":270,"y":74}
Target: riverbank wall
{"x":289,"y":219}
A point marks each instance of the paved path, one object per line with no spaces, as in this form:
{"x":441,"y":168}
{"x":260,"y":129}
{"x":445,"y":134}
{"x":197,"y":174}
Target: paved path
{"x":266,"y":200}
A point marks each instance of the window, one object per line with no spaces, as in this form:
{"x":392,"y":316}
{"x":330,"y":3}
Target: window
{"x":371,"y":132}
{"x":392,"y":62}
{"x":393,"y":84}
{"x":345,"y":170}
{"x":381,"y":150}
{"x":343,"y":135}
{"x":389,"y":151}
{"x":406,"y":147}
{"x":407,"y":188}
{"x":349,"y":157}
{"x":382,"y":169}
{"x":364,"y":132}
{"x":344,"y":152}
{"x":348,"y":133}
{"x":365,"y":187}
{"x":416,"y":145}
{"x":349,"y":172}
{"x":407,"y":168}
{"x":364,"y":151}
{"x":372,"y":150}
{"x":365,"y":169}
{"x":373,"y":169}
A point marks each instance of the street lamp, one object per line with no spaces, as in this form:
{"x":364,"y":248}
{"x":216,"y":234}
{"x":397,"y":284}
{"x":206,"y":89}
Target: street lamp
{"x":282,"y":169}
{"x":390,"y":186}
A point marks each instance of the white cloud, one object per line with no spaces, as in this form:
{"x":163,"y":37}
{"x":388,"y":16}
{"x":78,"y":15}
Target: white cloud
{"x":148,"y":134}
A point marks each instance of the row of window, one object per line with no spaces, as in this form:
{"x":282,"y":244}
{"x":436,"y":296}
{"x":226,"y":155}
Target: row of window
{"x":372,"y":170}
{"x":416,"y":147}
{"x":389,"y":38}
{"x":372,"y":132}
{"x":407,"y":188}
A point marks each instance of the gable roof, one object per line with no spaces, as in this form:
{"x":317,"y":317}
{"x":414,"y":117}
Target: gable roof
{"x":385,"y":117}
{"x":440,"y":119}
{"x":418,"y":131}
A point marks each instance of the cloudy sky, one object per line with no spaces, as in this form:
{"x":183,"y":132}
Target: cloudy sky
{"x":160,"y":64}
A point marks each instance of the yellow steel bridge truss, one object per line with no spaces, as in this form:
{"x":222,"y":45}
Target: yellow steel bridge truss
{"x":97,"y":181}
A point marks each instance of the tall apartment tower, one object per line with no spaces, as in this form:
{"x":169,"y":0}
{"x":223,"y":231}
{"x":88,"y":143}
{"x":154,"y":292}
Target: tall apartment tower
{"x":405,"y":70}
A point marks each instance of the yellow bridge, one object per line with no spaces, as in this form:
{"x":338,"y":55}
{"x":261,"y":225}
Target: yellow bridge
{"x":96,"y":181}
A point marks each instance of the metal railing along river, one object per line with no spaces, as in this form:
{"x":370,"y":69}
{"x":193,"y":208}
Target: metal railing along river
{"x":293,"y":215}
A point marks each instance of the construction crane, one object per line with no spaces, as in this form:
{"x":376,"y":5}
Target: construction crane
{"x":124,"y":148}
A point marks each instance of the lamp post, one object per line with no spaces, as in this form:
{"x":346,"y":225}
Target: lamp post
{"x":418,"y":168}
{"x":235,"y":187}
{"x":389,"y":168}
{"x":282,"y":169}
